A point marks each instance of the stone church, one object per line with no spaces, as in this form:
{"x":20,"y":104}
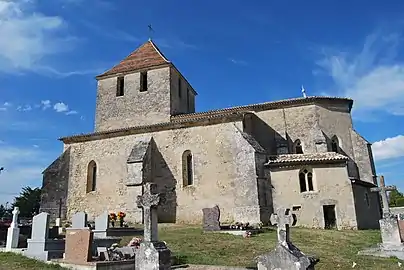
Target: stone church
{"x":301,"y":153}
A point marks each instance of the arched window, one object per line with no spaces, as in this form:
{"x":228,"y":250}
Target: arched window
{"x":187,"y":166}
{"x":335,"y":144}
{"x":306,"y":180}
{"x":298,"y":147}
{"x":91,"y":176}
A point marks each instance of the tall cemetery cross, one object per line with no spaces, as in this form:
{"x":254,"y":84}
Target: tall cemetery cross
{"x":383,"y":193}
{"x":149,"y":202}
{"x":283,"y":219}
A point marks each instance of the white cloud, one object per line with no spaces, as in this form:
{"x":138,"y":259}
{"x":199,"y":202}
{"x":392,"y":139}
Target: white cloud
{"x":389,"y":148}
{"x":60,"y":107}
{"x":373,"y":77}
{"x":31,"y":36}
{"x":22,"y":166}
{"x":238,"y":62}
{"x":71,"y":112}
{"x":45,"y":104}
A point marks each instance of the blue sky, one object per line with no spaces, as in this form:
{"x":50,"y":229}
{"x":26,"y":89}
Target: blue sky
{"x":233,"y":53}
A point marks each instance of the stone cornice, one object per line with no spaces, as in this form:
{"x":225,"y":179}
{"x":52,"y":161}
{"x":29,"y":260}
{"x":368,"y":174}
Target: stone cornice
{"x":231,"y":117}
{"x":207,"y":118}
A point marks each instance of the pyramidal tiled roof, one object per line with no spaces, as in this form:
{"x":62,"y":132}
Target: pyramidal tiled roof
{"x":147,"y":55}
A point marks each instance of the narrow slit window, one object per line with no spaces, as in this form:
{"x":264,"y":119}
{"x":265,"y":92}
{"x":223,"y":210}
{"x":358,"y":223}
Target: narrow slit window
{"x":91,"y":176}
{"x":310,"y":181}
{"x":143,"y":81}
{"x":187,"y":166}
{"x":120,"y":87}
{"x":302,"y":180}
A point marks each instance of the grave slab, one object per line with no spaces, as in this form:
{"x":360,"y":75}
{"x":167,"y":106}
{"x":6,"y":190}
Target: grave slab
{"x":78,"y":245}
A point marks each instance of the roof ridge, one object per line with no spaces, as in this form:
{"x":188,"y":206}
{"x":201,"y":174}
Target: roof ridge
{"x":159,"y":52}
{"x":147,"y":55}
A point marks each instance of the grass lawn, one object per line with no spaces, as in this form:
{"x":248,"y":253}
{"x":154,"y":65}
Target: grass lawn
{"x":11,"y":261}
{"x":336,"y":249}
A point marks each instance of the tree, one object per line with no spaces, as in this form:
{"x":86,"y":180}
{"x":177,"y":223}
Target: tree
{"x":28,"y":201}
{"x":396,"y":199}
{"x":2,"y":211}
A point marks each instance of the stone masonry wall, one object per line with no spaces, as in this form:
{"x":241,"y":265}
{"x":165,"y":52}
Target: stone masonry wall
{"x":179,"y":103}
{"x":363,"y":157}
{"x":55,"y":186}
{"x":134,"y":108}
{"x":367,"y":205}
{"x":330,"y":187}
{"x":224,"y":174}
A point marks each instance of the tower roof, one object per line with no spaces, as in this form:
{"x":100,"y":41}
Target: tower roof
{"x":145,"y":56}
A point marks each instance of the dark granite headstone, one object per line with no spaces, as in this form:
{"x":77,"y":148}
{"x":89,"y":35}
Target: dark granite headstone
{"x":211,"y":217}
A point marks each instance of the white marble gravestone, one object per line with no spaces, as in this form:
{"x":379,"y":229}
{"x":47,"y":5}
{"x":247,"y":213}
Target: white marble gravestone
{"x":13,"y":231}
{"x":39,"y":246}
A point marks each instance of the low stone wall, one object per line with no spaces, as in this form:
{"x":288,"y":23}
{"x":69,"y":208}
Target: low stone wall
{"x":397,"y":210}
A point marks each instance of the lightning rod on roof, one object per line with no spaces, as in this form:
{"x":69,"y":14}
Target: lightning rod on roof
{"x":303,"y":92}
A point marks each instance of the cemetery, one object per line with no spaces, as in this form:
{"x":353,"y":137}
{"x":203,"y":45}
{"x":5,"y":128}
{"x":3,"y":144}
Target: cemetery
{"x":86,"y":244}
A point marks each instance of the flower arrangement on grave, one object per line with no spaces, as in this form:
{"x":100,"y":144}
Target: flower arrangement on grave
{"x":121,"y":216}
{"x":247,"y":234}
{"x":112,"y":219}
{"x":240,"y":226}
{"x":135,"y":242}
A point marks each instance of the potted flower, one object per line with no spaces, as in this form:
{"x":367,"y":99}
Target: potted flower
{"x":121,"y":216}
{"x":112,"y":219}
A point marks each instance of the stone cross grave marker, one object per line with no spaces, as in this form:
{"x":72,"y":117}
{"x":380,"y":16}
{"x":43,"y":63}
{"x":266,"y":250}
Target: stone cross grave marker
{"x":14,"y":222}
{"x":383,"y":193}
{"x":13,"y":232}
{"x":149,"y":202}
{"x":283,"y":219}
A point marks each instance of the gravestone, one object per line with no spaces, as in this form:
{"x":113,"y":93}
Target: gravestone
{"x":39,"y":245}
{"x":389,"y":227}
{"x":286,"y":256}
{"x":101,"y":225}
{"x":13,"y":232}
{"x":101,"y":238}
{"x":152,"y":254}
{"x":78,"y":245}
{"x":211,"y":219}
{"x":79,"y":220}
{"x":391,"y":245}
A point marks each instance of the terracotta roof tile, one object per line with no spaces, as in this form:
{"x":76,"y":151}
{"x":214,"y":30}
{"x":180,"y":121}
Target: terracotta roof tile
{"x":147,"y":55}
{"x":300,"y":158}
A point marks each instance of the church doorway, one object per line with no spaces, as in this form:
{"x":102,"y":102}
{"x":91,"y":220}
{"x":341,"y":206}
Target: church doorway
{"x":330,"y":219}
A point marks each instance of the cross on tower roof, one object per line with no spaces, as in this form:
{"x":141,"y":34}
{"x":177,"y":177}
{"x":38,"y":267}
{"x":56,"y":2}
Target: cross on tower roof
{"x":382,"y":189}
{"x":283,"y":219}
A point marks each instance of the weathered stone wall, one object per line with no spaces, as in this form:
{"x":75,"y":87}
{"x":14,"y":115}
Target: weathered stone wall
{"x":55,"y":186}
{"x":135,"y":107}
{"x":291,"y":124}
{"x":179,"y":103}
{"x":337,"y":121}
{"x":367,"y":207}
{"x":224,"y":174}
{"x":364,"y":158}
{"x":331,"y":187}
